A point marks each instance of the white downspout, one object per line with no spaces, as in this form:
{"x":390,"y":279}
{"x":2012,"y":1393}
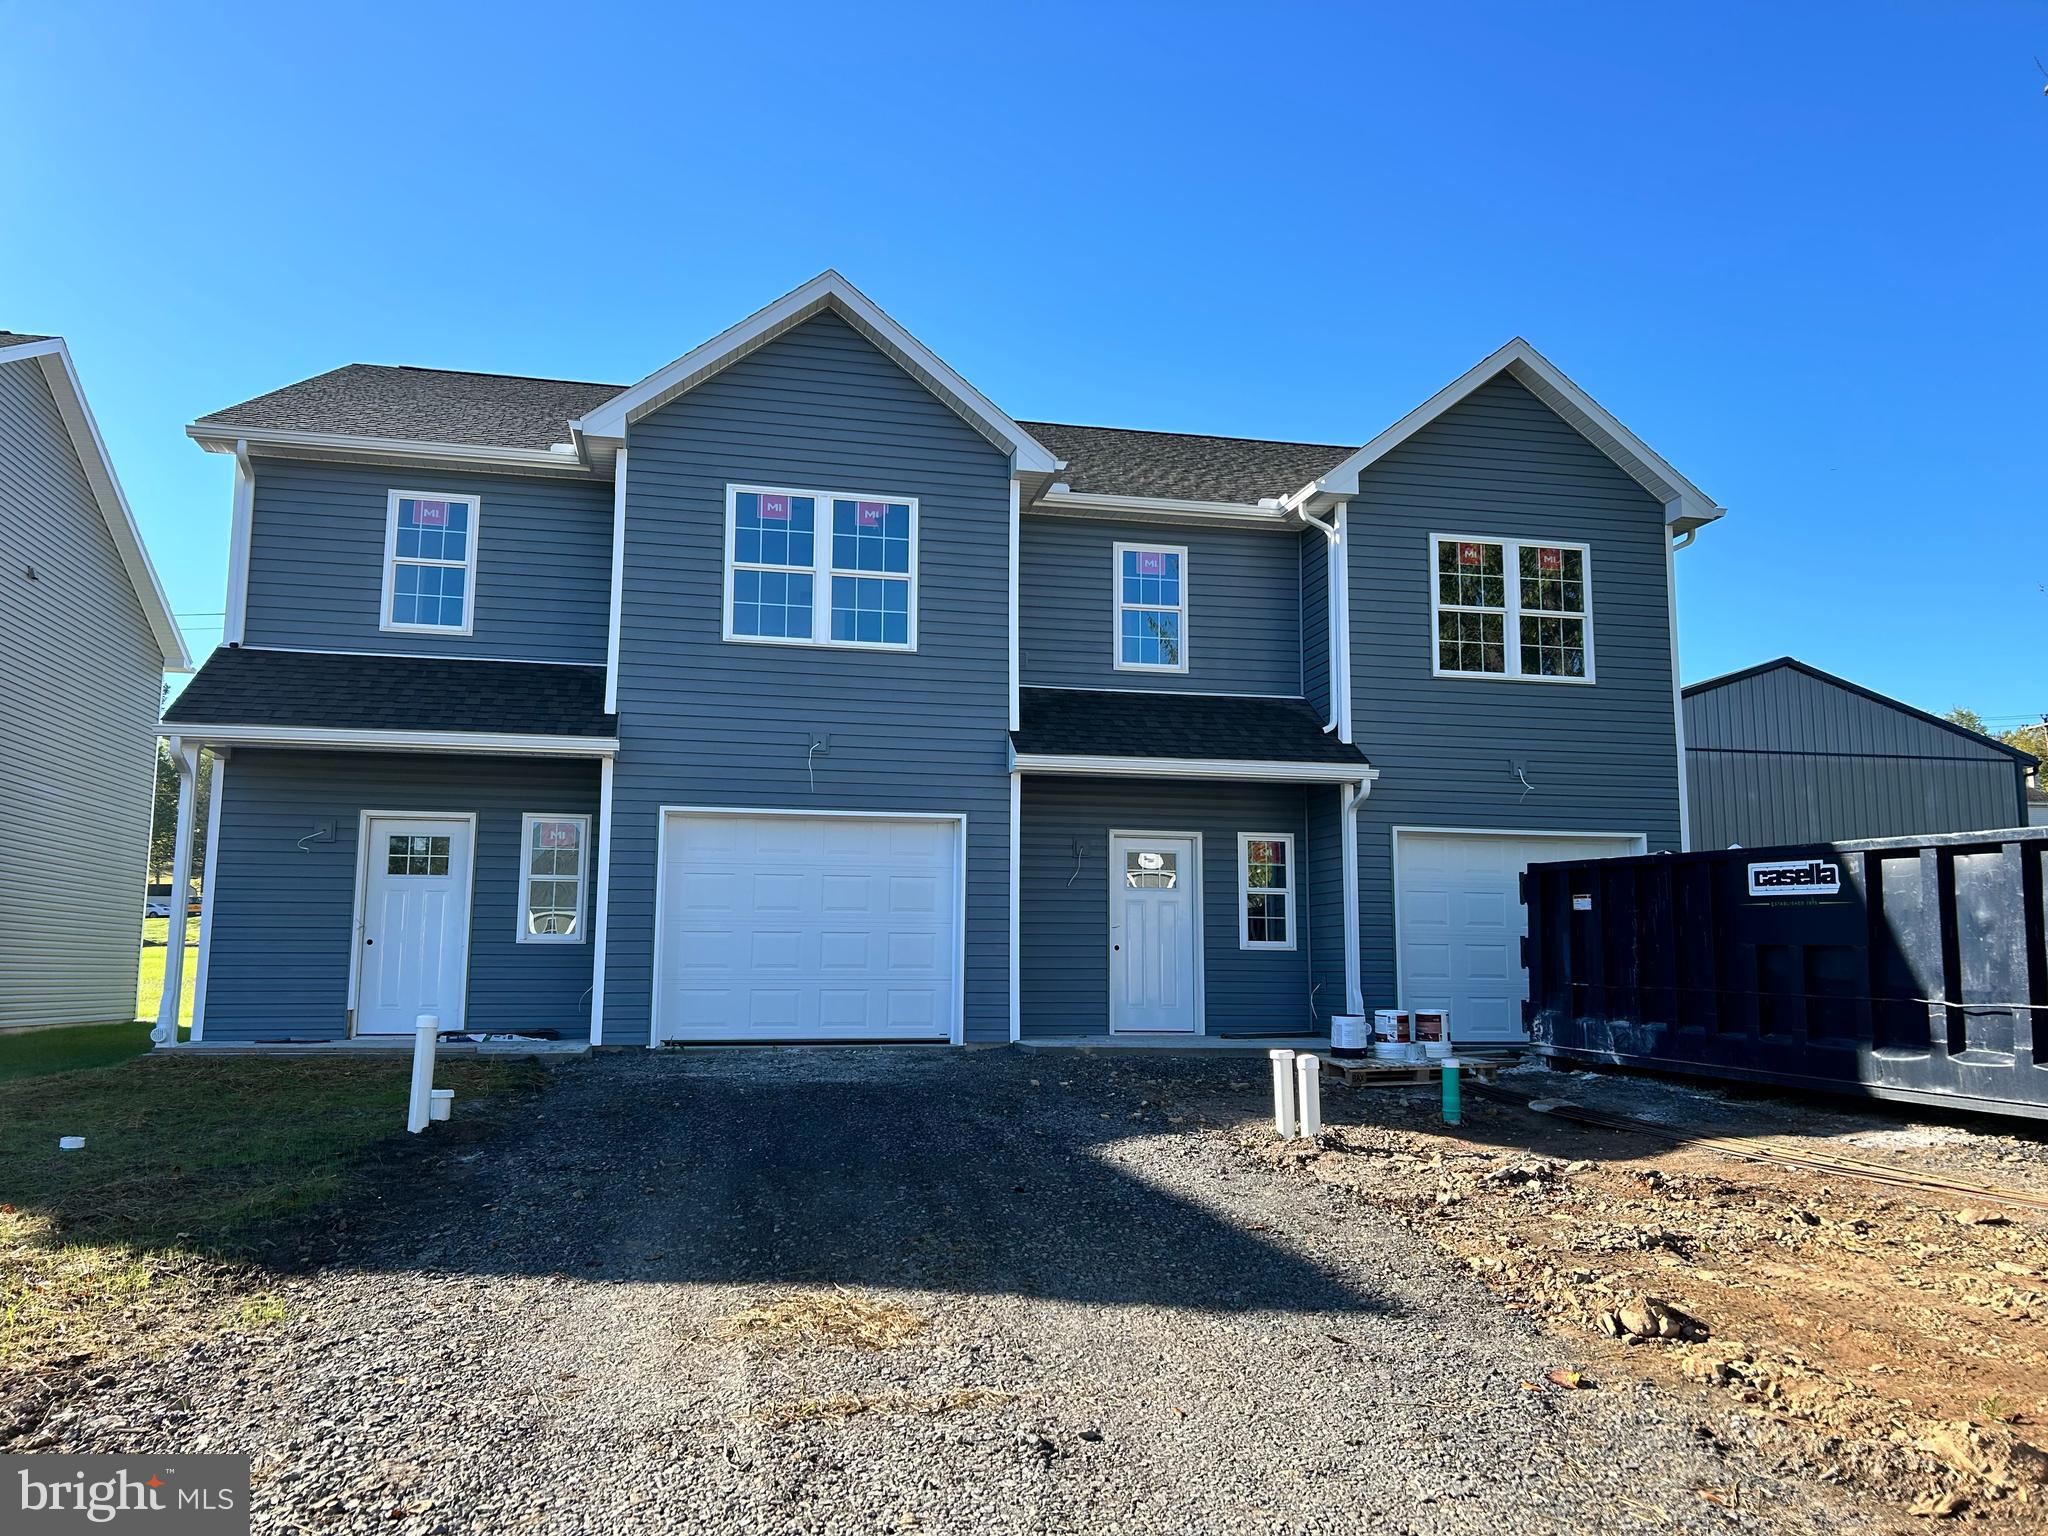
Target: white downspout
{"x":1354,"y":986}
{"x":1671,"y":548}
{"x":186,"y":760}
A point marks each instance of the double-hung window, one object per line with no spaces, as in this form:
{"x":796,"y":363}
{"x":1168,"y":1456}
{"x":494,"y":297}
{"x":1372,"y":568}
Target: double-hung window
{"x":1151,"y":608}
{"x":1512,"y":608}
{"x":430,"y":563}
{"x":821,"y":568}
{"x":1265,"y":890}
{"x":554,"y":858}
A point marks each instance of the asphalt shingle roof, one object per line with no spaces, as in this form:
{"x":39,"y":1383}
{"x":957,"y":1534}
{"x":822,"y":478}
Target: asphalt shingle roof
{"x":1077,"y":722}
{"x":430,"y":405}
{"x":1122,"y":461}
{"x":19,"y":338}
{"x":505,"y":410}
{"x":248,"y":686}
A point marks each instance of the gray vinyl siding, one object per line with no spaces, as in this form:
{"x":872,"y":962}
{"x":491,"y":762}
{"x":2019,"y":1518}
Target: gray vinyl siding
{"x":1243,"y":616}
{"x":1323,"y":873}
{"x":316,"y":562}
{"x":1600,"y":757}
{"x":284,"y":908}
{"x":1314,"y":554}
{"x":708,"y":723}
{"x":1785,"y":757}
{"x":78,"y":702}
{"x":1065,"y":894}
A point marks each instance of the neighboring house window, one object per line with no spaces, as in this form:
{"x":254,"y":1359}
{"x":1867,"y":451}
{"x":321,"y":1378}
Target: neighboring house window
{"x":1151,"y":608}
{"x":1265,"y":890}
{"x":553,"y":852}
{"x":1513,"y":609}
{"x":852,"y":582}
{"x":430,"y":562}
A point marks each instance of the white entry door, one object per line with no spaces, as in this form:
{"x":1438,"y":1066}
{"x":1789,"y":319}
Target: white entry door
{"x":414,"y":944}
{"x":794,"y":927}
{"x":1155,"y":944}
{"x":1460,"y":922}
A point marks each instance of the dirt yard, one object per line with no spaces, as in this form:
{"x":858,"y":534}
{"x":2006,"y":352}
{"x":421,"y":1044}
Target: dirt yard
{"x":1888,"y":1341}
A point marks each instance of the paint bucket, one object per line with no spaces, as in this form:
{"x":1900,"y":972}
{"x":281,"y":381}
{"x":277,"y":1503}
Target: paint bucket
{"x":1390,"y":1052}
{"x":1350,"y":1034}
{"x":1433,"y":1030}
{"x":1390,"y":1024}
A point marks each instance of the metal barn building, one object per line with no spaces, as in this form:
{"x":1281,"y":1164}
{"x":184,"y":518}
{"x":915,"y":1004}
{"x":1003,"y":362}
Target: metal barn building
{"x":1786,"y":753}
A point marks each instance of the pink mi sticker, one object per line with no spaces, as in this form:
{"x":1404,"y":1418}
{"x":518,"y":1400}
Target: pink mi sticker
{"x":869,"y":513}
{"x":558,"y":834}
{"x":774,"y":509}
{"x":1549,"y":559}
{"x":430,"y":514}
{"x":1151,"y":563}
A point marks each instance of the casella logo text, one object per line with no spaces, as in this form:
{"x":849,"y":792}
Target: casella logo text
{"x":1795,"y":877}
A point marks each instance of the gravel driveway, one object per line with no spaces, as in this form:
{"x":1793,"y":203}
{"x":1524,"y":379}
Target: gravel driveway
{"x":1129,"y":1327}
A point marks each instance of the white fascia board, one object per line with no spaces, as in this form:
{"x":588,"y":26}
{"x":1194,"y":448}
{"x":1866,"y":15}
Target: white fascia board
{"x":1194,"y":768}
{"x":396,"y":741}
{"x":828,"y":290}
{"x":222,"y":438}
{"x":53,"y":358}
{"x":1688,"y":506}
{"x":1170,"y":509}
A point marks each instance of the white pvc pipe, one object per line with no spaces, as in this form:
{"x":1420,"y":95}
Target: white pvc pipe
{"x":1283,"y":1093}
{"x":420,"y":1103}
{"x":1308,"y":1095}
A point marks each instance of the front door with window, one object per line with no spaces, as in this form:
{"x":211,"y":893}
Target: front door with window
{"x":1154,"y":935}
{"x":414,"y":943}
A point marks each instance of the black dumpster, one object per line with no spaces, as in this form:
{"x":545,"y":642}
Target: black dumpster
{"x":1904,"y":968}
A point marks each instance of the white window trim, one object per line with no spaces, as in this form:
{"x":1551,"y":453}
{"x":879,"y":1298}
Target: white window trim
{"x":1244,"y":889}
{"x":468,"y":565}
{"x":1116,"y":621}
{"x":1511,"y":567}
{"x":822,"y":569}
{"x":527,"y":877}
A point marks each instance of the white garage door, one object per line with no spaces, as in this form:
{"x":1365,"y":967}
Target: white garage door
{"x":808,"y":928}
{"x":1460,"y":922}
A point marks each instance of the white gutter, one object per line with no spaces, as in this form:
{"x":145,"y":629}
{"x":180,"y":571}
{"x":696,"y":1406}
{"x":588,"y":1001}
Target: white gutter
{"x":1058,"y":500}
{"x":399,"y":741}
{"x":225,"y":439}
{"x":1259,"y":770}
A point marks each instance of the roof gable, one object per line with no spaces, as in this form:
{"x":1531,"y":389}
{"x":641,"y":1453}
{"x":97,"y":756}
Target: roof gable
{"x":1988,"y":745}
{"x":1686,"y":505}
{"x":53,"y":358}
{"x":827,"y":291}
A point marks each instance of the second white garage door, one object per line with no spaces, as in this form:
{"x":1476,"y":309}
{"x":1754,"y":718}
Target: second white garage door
{"x":1459,"y":922}
{"x":808,"y":928}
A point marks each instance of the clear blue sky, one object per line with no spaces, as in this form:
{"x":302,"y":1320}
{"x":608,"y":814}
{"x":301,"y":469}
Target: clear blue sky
{"x":1801,"y":249}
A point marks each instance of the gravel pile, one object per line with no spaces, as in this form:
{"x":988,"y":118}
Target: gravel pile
{"x":1124,"y":1328}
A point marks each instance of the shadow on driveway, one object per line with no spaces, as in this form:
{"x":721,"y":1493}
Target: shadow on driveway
{"x":975,"y":1172}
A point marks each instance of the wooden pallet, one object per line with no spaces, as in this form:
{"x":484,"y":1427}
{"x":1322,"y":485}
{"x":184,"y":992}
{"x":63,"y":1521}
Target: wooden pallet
{"x":1383,"y":1074}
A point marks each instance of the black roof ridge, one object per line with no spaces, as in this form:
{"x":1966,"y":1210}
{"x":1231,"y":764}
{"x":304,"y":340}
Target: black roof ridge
{"x":1745,"y":673}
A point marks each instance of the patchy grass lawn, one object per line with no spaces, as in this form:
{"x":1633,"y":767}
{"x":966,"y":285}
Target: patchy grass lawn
{"x":39,"y":1052}
{"x":194,"y":1173}
{"x":149,"y":982}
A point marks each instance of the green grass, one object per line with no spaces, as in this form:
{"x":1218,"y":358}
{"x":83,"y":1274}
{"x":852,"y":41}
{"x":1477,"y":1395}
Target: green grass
{"x":39,"y":1052}
{"x":149,"y":983}
{"x":194,"y":1172}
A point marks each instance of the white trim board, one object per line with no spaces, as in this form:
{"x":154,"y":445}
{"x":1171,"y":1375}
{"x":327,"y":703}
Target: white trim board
{"x":1688,"y":506}
{"x":957,"y":819}
{"x":397,"y":741}
{"x":618,"y":593}
{"x":53,"y":360}
{"x":222,"y":437}
{"x":827,"y":291}
{"x":1194,"y":768}
{"x":1057,"y":501}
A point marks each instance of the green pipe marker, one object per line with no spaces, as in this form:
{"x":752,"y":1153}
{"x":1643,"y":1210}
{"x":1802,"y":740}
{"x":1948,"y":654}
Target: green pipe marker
{"x":1453,"y":1109}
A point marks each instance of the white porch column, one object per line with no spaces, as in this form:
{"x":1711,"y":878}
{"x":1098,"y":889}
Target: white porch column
{"x":1016,"y":905}
{"x":206,"y":894}
{"x":186,"y":760}
{"x":604,"y":896}
{"x":1354,"y":986}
